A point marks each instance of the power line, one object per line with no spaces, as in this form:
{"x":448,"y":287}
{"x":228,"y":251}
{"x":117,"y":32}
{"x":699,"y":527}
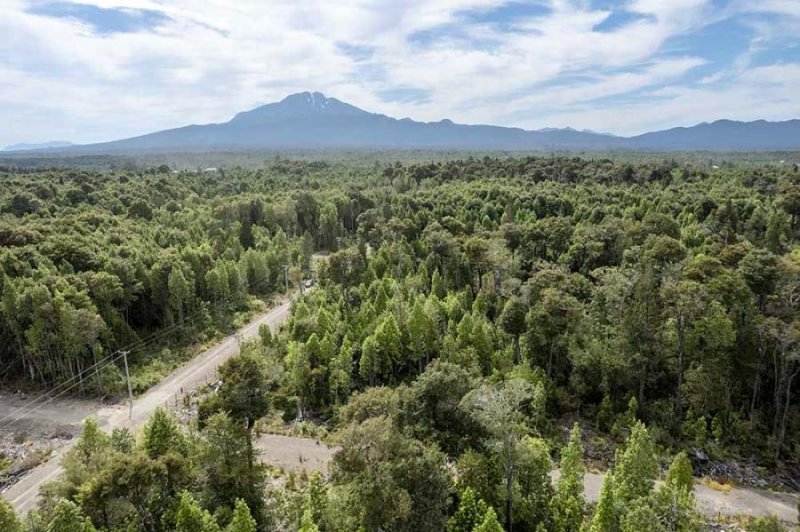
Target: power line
{"x":26,"y":409}
{"x":50,"y":400}
{"x":10,"y":365}
{"x":57,"y":387}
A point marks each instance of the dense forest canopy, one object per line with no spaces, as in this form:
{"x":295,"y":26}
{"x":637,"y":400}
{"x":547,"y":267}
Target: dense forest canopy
{"x":466,"y":309}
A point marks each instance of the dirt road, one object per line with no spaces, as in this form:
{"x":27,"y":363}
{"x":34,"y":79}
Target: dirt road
{"x":23,"y":495}
{"x":710,"y":502}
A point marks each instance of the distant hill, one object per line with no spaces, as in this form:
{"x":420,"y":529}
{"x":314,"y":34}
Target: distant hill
{"x":310,"y":120}
{"x":724,"y":135}
{"x":42,"y":146}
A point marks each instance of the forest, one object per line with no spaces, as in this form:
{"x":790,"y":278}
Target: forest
{"x":476,"y":323}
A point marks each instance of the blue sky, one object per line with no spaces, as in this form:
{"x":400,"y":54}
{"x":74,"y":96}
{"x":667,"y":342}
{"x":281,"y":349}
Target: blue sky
{"x":93,"y":70}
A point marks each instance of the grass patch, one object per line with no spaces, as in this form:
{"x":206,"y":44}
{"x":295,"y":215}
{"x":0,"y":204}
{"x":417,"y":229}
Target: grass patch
{"x":715,"y":485}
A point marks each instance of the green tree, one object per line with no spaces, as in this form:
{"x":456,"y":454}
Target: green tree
{"x":641,"y":517}
{"x":179,"y":294}
{"x":421,"y":335}
{"x":8,"y":519}
{"x":470,"y":513}
{"x":162,"y":434}
{"x":90,"y":455}
{"x":67,"y":517}
{"x":605,"y":517}
{"x":490,"y":523}
{"x":636,"y":468}
{"x":568,"y":502}
{"x":190,"y":517}
{"x":501,"y":409}
{"x":512,"y":321}
{"x":243,"y":393}
{"x":674,"y":501}
{"x":226,"y":461}
{"x":340,"y":378}
{"x":680,"y":475}
{"x":316,"y":497}
{"x":307,"y":523}
{"x":242,"y":521}
{"x":389,"y":480}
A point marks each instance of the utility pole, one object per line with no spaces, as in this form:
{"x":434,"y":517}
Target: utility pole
{"x":130,"y":389}
{"x":286,"y":276}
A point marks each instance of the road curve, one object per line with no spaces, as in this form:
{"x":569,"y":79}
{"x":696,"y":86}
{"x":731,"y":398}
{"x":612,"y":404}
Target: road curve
{"x":23,"y":496}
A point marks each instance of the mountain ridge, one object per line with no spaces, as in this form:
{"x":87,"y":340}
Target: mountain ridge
{"x":313,"y":120}
{"x":25,"y":146}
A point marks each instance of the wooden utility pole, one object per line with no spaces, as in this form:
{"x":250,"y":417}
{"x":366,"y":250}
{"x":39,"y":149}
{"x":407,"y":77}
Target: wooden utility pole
{"x":130,"y":389}
{"x":286,"y":276}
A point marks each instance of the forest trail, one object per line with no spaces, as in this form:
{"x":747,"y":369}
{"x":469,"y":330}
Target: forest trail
{"x":24,"y":495}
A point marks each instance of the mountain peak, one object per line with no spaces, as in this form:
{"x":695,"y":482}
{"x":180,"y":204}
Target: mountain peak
{"x":313,"y":100}
{"x":299,"y":105}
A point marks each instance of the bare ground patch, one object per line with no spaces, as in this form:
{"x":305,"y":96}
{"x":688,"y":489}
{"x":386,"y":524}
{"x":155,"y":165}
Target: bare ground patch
{"x":294,"y":454}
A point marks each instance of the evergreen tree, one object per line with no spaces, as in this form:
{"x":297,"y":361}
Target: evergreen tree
{"x":420,"y":334}
{"x":512,"y":320}
{"x":680,"y":475}
{"x":242,"y":521}
{"x":316,"y":497}
{"x":471,"y":513}
{"x":437,"y":285}
{"x":605,"y":514}
{"x":8,"y":519}
{"x":67,"y":517}
{"x":190,"y":517}
{"x":307,"y":522}
{"x":639,"y":518}
{"x":179,"y":294}
{"x":162,"y":434}
{"x":568,"y":502}
{"x":674,"y":501}
{"x":636,"y":467}
{"x":340,"y":378}
{"x":490,"y":523}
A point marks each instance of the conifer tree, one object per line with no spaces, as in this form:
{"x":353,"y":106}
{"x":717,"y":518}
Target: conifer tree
{"x":490,"y":523}
{"x":680,"y":475}
{"x":568,"y":503}
{"x":674,"y":501}
{"x":605,"y":515}
{"x":242,"y":521}
{"x":471,"y":513}
{"x":640,"y":518}
{"x":307,"y":523}
{"x":8,"y":519}
{"x":162,"y":434}
{"x":67,"y":517}
{"x":636,"y":468}
{"x":190,"y":517}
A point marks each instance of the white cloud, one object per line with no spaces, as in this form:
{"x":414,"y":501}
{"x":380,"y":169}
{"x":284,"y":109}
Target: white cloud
{"x":213,"y":58}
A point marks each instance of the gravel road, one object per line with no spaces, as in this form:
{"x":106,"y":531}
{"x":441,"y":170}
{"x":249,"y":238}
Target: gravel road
{"x":24,"y":495}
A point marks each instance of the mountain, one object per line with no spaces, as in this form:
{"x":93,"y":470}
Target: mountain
{"x":312,"y":120}
{"x":724,"y":135}
{"x":42,"y":146}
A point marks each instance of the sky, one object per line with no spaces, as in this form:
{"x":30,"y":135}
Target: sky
{"x":95,"y":70}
